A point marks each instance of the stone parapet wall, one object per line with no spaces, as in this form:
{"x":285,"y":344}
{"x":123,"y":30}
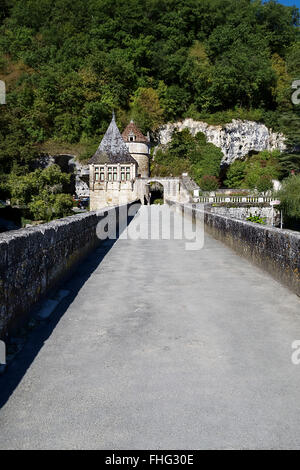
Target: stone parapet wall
{"x":268,"y":213}
{"x":35,"y":259}
{"x":274,"y":250}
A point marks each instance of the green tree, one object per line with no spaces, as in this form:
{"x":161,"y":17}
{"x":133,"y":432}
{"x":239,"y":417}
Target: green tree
{"x":264,"y":183}
{"x":289,"y":196}
{"x":68,"y":63}
{"x":146,"y":110}
{"x":290,"y":163}
{"x":206,"y":160}
{"x":209,"y":183}
{"x":46,"y":206}
{"x":235,"y":174}
{"x":42,"y":192}
{"x":261,"y":168}
{"x":182,"y":144}
{"x":186,"y":153}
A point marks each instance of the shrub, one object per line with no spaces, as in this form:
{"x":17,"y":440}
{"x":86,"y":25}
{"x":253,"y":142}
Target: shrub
{"x":264,"y":183}
{"x":40,"y":209}
{"x":158,"y":201}
{"x":47,"y":206}
{"x":256,"y":219}
{"x":235,"y":174}
{"x":186,"y":153}
{"x":289,"y":196}
{"x":265,"y":165}
{"x":62,"y":205}
{"x":209,"y":183}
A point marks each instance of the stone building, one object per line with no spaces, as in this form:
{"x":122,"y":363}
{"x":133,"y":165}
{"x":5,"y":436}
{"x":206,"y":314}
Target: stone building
{"x":139,"y":147}
{"x":114,"y":171}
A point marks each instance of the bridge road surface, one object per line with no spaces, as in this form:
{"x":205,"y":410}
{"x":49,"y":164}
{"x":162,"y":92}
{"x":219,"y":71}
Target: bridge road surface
{"x":159,"y":348}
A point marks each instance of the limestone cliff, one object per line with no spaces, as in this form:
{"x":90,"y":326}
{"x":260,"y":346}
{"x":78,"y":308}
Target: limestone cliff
{"x":235,"y":139}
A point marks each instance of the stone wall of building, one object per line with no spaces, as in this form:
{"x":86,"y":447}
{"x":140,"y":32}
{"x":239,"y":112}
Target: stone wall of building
{"x":143,"y":164}
{"x":274,"y":250}
{"x":116,"y":194}
{"x":35,"y":259}
{"x":140,"y":152}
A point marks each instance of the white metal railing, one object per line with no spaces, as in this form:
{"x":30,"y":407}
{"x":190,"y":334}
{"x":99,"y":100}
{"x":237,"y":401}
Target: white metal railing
{"x":233,"y":199}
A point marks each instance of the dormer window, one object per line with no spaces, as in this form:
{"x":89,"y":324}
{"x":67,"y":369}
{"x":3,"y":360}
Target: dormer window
{"x":131,"y":137}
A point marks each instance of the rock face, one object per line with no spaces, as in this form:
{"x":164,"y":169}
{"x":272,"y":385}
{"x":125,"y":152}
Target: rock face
{"x":82,"y":173}
{"x":69,"y":164}
{"x":235,"y":139}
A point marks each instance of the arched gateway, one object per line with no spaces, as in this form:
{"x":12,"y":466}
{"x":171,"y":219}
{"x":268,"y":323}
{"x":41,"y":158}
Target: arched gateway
{"x":119,"y":169}
{"x":171,"y":188}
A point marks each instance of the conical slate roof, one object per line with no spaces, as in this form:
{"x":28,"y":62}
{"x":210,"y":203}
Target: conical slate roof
{"x":112,"y":148}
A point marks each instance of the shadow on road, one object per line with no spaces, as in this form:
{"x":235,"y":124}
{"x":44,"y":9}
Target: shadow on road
{"x":36,"y":338}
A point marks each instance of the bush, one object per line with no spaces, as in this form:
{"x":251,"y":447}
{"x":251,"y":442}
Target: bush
{"x":256,"y":172}
{"x":186,"y":153}
{"x":40,"y":209}
{"x":209,"y":183}
{"x":260,"y":168}
{"x":158,"y":201}
{"x":235,"y":174}
{"x":62,"y":205}
{"x":256,"y":219}
{"x":289,"y":196}
{"x":264,"y":184}
{"x":42,"y":192}
{"x":47,"y":206}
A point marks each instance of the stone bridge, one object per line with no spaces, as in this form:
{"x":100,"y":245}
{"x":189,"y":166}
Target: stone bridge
{"x":148,"y":344}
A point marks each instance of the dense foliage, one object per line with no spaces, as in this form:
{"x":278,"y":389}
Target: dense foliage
{"x":40,"y":191}
{"x":289,"y":196}
{"x":186,"y":153}
{"x":68,"y":63}
{"x":256,"y":172}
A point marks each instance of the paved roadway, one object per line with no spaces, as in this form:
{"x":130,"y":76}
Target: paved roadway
{"x":161,"y":348}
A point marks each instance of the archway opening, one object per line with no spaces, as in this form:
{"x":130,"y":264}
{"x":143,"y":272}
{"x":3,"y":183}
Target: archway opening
{"x":156,"y":193}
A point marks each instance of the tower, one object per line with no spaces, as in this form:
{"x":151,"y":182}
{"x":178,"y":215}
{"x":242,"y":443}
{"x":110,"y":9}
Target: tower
{"x":113,"y":171}
{"x":138,"y":146}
